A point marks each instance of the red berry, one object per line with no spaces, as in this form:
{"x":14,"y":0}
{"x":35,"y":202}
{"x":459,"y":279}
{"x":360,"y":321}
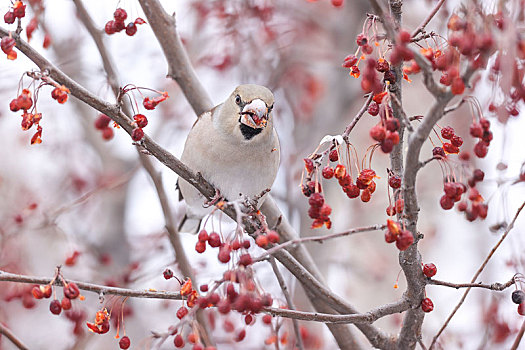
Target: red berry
{"x":378,"y":132}
{"x":65,"y":303}
{"x":521,"y":309}
{"x":458,"y":86}
{"x":181,"y":312}
{"x":261,"y":241}
{"x":7,"y":44}
{"x":124,"y":342}
{"x":214,"y":240}
{"x":404,"y":240}
{"x":394,"y":182}
{"x":308,"y":164}
{"x":361,"y":40}
{"x":446,"y":202}
{"x":429,"y":270}
{"x":373,"y":109}
{"x":109,"y":28}
{"x":167,"y":274}
{"x":107,"y":133}
{"x":224,"y":253}
{"x":55,"y":307}
{"x":203,"y":236}
{"x":71,"y":291}
{"x":456,"y":141}
{"x":120,"y":15}
{"x":9,"y":17}
{"x":340,"y":171}
{"x":131,"y":29}
{"x":478,"y":175}
{"x":337,"y":3}
{"x":476,"y":130}
{"x":273,"y":236}
{"x":404,"y":37}
{"x":450,"y":148}
{"x":333,"y":155}
{"x":141,"y":120}
{"x":481,"y":149}
{"x":350,"y":61}
{"x":393,"y":136}
{"x":328,"y":172}
{"x":245,"y":260}
{"x":102,"y":122}
{"x":427,"y":305}
{"x":438,"y":152}
{"x":178,"y":341}
{"x":485,"y":124}
{"x":390,"y":237}
{"x":447,"y":132}
{"x":392,"y":124}
{"x":316,"y":200}
{"x":267,"y":319}
{"x":19,"y":9}
{"x":137,"y":134}
{"x":366,"y":195}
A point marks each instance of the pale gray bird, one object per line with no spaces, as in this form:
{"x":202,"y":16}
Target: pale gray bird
{"x":235,"y":147}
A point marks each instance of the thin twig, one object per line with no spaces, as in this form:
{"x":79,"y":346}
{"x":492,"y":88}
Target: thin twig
{"x":90,"y":287}
{"x":358,"y":116}
{"x":289,"y":301}
{"x":454,"y":107}
{"x":478,"y":272}
{"x":428,"y":19}
{"x":518,"y":337}
{"x":319,"y":239}
{"x":494,"y":286}
{"x":364,"y":318}
{"x":406,"y":121}
{"x":12,"y":337}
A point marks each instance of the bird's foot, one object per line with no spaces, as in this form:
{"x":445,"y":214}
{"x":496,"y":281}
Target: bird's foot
{"x":214,"y":200}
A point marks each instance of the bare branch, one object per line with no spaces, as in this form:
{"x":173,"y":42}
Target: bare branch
{"x":518,"y":337}
{"x":494,"y":286}
{"x":12,"y":337}
{"x":431,"y":15}
{"x":319,"y":239}
{"x":478,"y":272}
{"x":358,"y":116}
{"x":90,"y":287}
{"x":289,"y":301}
{"x":368,"y":317}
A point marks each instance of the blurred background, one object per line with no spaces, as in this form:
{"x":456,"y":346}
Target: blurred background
{"x":76,"y":192}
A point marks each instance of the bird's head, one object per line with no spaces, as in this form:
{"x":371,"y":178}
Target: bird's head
{"x":247,"y":111}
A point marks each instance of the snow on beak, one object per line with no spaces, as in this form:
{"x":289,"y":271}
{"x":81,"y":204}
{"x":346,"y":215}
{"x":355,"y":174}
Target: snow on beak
{"x":255,"y":114}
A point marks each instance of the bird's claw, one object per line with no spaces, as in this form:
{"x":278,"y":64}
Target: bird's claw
{"x":217,"y":197}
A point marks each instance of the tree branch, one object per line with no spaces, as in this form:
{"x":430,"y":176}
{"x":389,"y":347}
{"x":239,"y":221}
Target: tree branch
{"x":494,"y":286}
{"x":12,"y":337}
{"x":428,"y":19}
{"x":90,"y":287}
{"x":475,"y":277}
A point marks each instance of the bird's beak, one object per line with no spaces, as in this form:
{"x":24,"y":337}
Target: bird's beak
{"x":255,"y":114}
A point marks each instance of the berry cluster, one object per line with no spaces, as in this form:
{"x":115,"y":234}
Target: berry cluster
{"x":101,"y":324}
{"x":70,"y":291}
{"x":386,"y":131}
{"x":102,"y":124}
{"x":481,"y":131}
{"x":455,"y":141}
{"x":18,"y":10}
{"x":117,"y":24}
{"x":394,"y":233}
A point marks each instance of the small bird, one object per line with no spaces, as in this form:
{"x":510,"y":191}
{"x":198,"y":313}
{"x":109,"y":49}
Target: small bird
{"x":235,"y":147}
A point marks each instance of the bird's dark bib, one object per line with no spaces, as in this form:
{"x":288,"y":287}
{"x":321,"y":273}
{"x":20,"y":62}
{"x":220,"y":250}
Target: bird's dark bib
{"x":248,"y":132}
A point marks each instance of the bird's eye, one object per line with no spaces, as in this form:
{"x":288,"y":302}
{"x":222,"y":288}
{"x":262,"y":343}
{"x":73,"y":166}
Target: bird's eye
{"x":238,"y":99}
{"x":270,"y":108}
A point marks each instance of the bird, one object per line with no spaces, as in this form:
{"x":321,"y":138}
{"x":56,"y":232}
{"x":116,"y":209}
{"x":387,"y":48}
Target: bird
{"x":235,"y":147}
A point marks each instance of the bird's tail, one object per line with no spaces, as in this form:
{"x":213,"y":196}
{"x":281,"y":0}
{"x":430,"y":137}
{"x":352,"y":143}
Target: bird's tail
{"x":190,"y":224}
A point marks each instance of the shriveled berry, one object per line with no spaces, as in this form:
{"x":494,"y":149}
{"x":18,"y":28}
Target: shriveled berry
{"x":9,"y":17}
{"x":124,"y":342}
{"x":333,"y":156}
{"x":361,"y":40}
{"x":447,"y":132}
{"x":429,"y":270}
{"x":308,"y":164}
{"x":141,"y":120}
{"x":438,"y":152}
{"x":392,"y":124}
{"x":340,"y":171}
{"x":378,"y":132}
{"x":181,"y":312}
{"x":328,"y":172}
{"x":273,"y":236}
{"x":120,"y":14}
{"x":394,"y":182}
{"x":167,"y":274}
{"x":456,"y":141}
{"x":65,"y":303}
{"x":137,"y":134}
{"x":518,"y":296}
{"x":373,"y":109}
{"x":71,"y":291}
{"x":427,"y":305}
{"x":382,"y":66}
{"x":55,"y":307}
{"x":404,"y":240}
{"x":7,"y":44}
{"x":316,"y":200}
